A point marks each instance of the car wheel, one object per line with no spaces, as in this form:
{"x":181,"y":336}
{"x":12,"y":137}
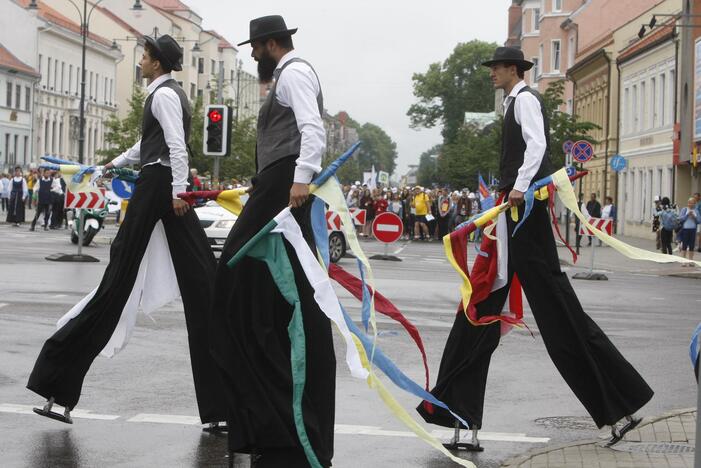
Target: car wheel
{"x":337,"y":246}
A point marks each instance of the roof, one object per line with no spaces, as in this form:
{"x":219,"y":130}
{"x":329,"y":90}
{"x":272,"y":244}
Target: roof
{"x":223,"y":43}
{"x":662,"y":34}
{"x":12,"y":63}
{"x":52,"y":16}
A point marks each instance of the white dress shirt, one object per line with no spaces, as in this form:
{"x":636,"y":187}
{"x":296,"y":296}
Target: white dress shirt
{"x":166,"y":108}
{"x":298,"y":89}
{"x":56,"y":186}
{"x":529,"y":116}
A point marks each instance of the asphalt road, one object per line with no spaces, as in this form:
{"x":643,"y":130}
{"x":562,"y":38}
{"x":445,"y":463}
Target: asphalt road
{"x":138,"y":409}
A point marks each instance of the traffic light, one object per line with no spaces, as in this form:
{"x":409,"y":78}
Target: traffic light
{"x":217,"y":130}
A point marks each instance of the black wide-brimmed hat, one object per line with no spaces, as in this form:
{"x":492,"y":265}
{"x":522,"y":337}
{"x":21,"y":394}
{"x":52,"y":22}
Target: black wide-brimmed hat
{"x":168,"y":51}
{"x":267,"y":27}
{"x":509,"y":56}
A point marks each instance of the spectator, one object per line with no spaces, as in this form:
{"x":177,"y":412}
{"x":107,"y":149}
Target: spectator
{"x":594,"y":210}
{"x":380,"y":204}
{"x":43,"y":191}
{"x":58,"y":190}
{"x":422,"y":204}
{"x":668,"y":223}
{"x":444,"y":210}
{"x":463,"y":208}
{"x":31,"y":181}
{"x":689,"y":219}
{"x":656,"y":222}
{"x":18,"y":194}
{"x":5,"y":187}
{"x":697,"y":196}
{"x":195,"y":182}
{"x":454,"y":198}
{"x":609,"y":212}
{"x":395,"y":203}
{"x":409,"y":213}
{"x":368,"y":204}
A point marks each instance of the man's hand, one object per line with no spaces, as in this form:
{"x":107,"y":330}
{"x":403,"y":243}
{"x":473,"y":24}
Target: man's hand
{"x":180,"y":206}
{"x":515,"y":197}
{"x":298,"y":194}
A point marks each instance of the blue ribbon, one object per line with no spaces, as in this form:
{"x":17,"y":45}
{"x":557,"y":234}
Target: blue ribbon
{"x":333,"y":167}
{"x":695,"y":347}
{"x":529,"y":198}
{"x":321,"y":232}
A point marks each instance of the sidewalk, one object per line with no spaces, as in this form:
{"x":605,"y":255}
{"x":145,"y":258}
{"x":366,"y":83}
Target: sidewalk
{"x":661,"y":442}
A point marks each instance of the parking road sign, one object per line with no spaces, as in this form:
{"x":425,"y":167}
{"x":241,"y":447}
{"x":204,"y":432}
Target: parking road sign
{"x":582,"y":151}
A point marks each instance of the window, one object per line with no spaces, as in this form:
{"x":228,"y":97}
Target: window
{"x":625,"y":125}
{"x":26,"y":150}
{"x":90,"y":88}
{"x":53,"y":137}
{"x":7,"y":147}
{"x":70,"y":78}
{"x":200,"y":65}
{"x":27,"y":98}
{"x":214,"y":66}
{"x":104,"y":91}
{"x":18,"y":96}
{"x":48,"y":72}
{"x":232,"y":75}
{"x":14,"y":153}
{"x":643,"y":105}
{"x":557,"y":5}
{"x":653,"y":101}
{"x":635,"y":115}
{"x":60,"y":138}
{"x":97,"y":87}
{"x":40,"y":58}
{"x":535,"y":71}
{"x":570,"y":106}
{"x":193,"y":91}
{"x":194,"y":61}
{"x":540,"y":59}
{"x":663,"y":99}
{"x":535,"y":25}
{"x":8,"y":96}
{"x":199,"y":93}
{"x":111,"y":91}
{"x":137,"y":74}
{"x":55,"y":85}
{"x":555,"y":56}
{"x":63,"y":74}
{"x":78,"y":78}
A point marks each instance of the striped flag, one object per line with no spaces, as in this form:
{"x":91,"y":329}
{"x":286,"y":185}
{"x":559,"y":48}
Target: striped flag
{"x":486,"y":198}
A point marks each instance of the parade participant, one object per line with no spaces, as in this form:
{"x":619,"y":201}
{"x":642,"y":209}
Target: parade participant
{"x":607,"y":385}
{"x":157,"y":222}
{"x":42,"y":189}
{"x":18,"y":194}
{"x":250,"y":340}
{"x":58,"y":191}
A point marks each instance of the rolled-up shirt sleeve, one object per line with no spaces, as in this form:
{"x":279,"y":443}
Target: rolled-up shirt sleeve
{"x":130,"y":156}
{"x":529,"y":115}
{"x":298,"y":89}
{"x":168,"y":111}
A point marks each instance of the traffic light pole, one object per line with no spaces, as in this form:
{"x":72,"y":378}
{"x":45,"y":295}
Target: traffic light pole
{"x":220,"y":100}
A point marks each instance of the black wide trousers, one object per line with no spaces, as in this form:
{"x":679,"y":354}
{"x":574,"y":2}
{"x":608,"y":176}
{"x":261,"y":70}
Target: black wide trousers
{"x":251,"y":345}
{"x":66,"y":356}
{"x":607,"y":385}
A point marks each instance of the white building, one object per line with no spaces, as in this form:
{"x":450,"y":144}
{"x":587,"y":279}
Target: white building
{"x":647,"y":92}
{"x":52,"y":44}
{"x":17,"y":80}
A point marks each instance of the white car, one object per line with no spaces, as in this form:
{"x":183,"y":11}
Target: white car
{"x":216,"y":222}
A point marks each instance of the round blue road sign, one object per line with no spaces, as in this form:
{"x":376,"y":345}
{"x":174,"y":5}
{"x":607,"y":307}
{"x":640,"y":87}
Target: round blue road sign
{"x":567,"y":146}
{"x":571,"y":171}
{"x":582,"y":151}
{"x":122,"y":188}
{"x":618,"y":163}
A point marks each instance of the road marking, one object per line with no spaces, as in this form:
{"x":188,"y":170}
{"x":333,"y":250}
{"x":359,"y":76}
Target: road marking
{"x":345,"y":429}
{"x":59,"y":295}
{"x":78,"y":413}
{"x":3,"y":304}
{"x":657,"y":299}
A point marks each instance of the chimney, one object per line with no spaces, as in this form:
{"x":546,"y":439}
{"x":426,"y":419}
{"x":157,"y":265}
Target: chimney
{"x":514,"y":32}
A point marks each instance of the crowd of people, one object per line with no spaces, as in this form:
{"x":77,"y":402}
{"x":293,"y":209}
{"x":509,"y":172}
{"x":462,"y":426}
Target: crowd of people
{"x":427,"y":214}
{"x":43,"y":190}
{"x":682,"y":226}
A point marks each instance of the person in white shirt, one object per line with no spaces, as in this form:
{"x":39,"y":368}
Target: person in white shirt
{"x":5,"y":191}
{"x":250,"y":341}
{"x":58,"y":186}
{"x":607,"y":385}
{"x":161,"y":239}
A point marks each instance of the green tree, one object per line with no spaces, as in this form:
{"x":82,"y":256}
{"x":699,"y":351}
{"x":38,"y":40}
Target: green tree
{"x":121,"y":134}
{"x":473,"y":152}
{"x":198,"y":160}
{"x":377,"y":149}
{"x":563,"y":126}
{"x":446,"y":91}
{"x":427,"y":172}
{"x":241,"y":164}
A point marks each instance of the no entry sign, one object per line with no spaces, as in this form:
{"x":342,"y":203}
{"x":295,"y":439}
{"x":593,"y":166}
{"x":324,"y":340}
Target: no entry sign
{"x":387,"y":228}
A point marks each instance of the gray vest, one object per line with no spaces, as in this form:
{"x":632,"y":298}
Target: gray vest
{"x":153,"y":143}
{"x":278,"y":136}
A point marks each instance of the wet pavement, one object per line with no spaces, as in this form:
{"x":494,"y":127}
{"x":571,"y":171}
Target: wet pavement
{"x":138,"y":409}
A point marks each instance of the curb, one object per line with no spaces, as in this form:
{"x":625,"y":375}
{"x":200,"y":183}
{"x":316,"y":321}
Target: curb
{"x":518,"y":459}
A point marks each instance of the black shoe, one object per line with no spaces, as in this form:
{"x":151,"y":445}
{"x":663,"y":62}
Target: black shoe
{"x":46,"y":412}
{"x":46,"y":228}
{"x":215,"y":428}
{"x":617,"y":435}
{"x":31,"y":229}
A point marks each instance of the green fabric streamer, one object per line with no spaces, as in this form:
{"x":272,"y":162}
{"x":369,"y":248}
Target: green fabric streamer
{"x":125,"y":174}
{"x":271,"y":250}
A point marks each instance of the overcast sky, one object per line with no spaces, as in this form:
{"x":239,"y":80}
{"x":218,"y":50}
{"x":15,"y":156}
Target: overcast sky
{"x":366,"y":51}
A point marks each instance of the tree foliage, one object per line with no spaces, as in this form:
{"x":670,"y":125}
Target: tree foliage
{"x":427,"y":172}
{"x":446,"y":91}
{"x":121,"y":134}
{"x":473,"y":152}
{"x":563,"y":126}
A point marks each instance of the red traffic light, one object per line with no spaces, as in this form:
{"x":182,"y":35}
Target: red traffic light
{"x":215,"y":116}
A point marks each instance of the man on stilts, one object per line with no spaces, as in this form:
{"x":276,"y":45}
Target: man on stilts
{"x":157,"y":222}
{"x":250,"y":316}
{"x":607,"y":385}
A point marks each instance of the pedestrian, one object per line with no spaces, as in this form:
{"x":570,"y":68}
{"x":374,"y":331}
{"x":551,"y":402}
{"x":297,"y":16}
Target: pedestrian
{"x":18,"y":194}
{"x":444,"y":207}
{"x":594,"y":210}
{"x":656,"y":222}
{"x":689,"y":218}
{"x":32,"y":179}
{"x":669,"y":223}
{"x":58,"y":191}
{"x":5,"y":188}
{"x":251,"y":344}
{"x":43,"y":194}
{"x":421,"y":203}
{"x":155,"y":212}
{"x":609,"y":212}
{"x":607,"y":385}
{"x":697,"y":196}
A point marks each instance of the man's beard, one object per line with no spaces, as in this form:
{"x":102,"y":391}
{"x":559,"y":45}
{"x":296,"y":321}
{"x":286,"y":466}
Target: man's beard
{"x":266,"y":68}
